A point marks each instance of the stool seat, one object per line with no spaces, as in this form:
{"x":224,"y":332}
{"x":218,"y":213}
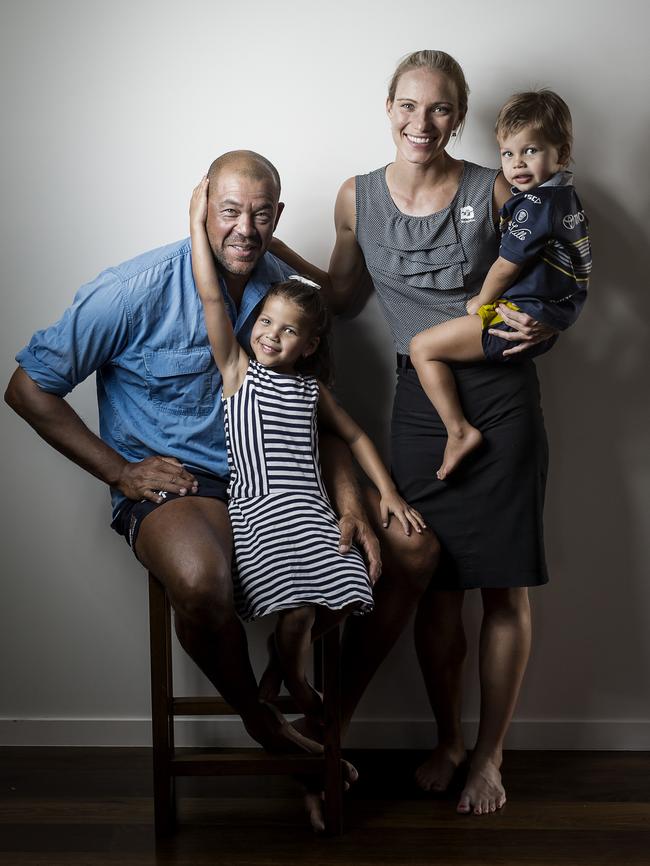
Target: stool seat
{"x":168,"y":762}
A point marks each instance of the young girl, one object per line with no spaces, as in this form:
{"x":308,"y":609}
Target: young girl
{"x":543,"y":266}
{"x":285,"y":532}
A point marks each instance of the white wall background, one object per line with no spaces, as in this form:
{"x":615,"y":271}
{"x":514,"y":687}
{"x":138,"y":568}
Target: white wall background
{"x":110,"y":114}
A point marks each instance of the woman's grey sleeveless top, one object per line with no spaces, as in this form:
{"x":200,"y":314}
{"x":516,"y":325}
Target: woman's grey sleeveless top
{"x":425,"y":268}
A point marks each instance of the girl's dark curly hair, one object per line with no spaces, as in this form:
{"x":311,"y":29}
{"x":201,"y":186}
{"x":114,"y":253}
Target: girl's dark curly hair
{"x":310,"y":300}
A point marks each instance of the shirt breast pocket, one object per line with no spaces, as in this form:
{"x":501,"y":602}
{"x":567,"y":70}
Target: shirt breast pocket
{"x":181,"y":381}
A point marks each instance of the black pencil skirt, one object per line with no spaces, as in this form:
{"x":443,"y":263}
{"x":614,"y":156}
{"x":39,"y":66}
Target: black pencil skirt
{"x":488,"y":515}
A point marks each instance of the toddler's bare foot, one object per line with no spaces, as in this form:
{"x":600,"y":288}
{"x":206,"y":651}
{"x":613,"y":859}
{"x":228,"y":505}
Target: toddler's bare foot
{"x":459,"y":444}
{"x":437,"y":771}
{"x":271,"y":680}
{"x":483,"y":792}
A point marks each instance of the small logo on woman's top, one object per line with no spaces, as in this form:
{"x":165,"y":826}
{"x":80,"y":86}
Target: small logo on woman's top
{"x":467,"y":214}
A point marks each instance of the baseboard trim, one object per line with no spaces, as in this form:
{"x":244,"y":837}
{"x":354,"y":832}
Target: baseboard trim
{"x":598,"y":734}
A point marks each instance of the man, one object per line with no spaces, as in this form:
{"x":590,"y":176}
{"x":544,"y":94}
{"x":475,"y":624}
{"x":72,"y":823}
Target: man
{"x":140,"y":327}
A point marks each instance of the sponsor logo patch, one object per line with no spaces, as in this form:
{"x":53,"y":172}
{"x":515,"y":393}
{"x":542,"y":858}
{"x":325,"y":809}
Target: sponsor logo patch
{"x":572,"y":220}
{"x":521,"y":216}
{"x":534,"y":198}
{"x":467,"y":214}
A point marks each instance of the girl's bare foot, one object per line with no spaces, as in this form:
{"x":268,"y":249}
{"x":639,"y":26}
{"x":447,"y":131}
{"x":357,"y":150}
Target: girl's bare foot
{"x":460,"y":443}
{"x":277,"y":735}
{"x":271,"y":679}
{"x":313,"y":797}
{"x":483,"y":792}
{"x":437,"y":771}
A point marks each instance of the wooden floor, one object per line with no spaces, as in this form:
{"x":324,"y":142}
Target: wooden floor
{"x":66,"y":807}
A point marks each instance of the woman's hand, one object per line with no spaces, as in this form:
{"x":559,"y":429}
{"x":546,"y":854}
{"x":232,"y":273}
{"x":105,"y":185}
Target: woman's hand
{"x":527,"y":331}
{"x":392,"y":503}
{"x":472,"y":306}
{"x":199,"y":203}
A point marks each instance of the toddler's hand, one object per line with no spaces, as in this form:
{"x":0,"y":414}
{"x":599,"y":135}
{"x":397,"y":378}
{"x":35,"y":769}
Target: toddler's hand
{"x":472,"y":306}
{"x":199,"y":203}
{"x":394,"y":504}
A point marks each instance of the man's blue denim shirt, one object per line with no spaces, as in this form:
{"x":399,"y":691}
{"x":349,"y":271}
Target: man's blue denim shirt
{"x":140,"y":326}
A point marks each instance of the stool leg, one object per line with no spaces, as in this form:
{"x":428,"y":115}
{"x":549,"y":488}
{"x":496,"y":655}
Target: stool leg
{"x":162,"y":719}
{"x":332,"y":711}
{"x":317,"y":652}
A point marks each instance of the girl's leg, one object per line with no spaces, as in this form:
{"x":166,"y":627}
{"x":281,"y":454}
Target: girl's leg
{"x":293,"y":642}
{"x":441,"y":647}
{"x":504,"y":649}
{"x":271,"y":679}
{"x":456,"y":340}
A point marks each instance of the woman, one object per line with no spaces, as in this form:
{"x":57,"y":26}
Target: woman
{"x":423,"y":231}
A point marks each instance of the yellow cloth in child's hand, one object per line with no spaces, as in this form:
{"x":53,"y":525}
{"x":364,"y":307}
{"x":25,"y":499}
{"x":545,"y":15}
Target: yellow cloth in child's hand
{"x":490,"y":315}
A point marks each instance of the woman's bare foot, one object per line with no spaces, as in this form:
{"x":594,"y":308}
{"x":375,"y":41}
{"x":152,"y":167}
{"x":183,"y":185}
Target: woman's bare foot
{"x":271,"y":680}
{"x":438,"y":770}
{"x":483,"y":792}
{"x":460,"y":443}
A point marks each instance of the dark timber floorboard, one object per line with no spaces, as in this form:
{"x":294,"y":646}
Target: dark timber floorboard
{"x":68,"y":807}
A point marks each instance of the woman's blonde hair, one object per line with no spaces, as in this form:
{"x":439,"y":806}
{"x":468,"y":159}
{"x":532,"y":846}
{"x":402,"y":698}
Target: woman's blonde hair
{"x":436,"y":61}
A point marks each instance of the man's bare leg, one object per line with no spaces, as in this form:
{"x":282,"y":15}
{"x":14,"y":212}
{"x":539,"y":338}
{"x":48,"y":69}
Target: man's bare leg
{"x":504,"y":650}
{"x":187,"y":544}
{"x":441,"y":647}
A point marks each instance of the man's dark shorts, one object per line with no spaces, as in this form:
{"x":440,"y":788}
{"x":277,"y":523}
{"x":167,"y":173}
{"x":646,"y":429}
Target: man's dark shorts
{"x":129,"y":518}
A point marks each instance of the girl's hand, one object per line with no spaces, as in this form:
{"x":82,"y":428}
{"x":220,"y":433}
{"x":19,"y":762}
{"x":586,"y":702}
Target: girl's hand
{"x":392,"y":503}
{"x":472,"y":306}
{"x":199,"y":203}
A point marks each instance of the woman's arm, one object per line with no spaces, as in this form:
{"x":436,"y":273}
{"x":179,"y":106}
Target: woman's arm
{"x":228,"y":354}
{"x":347,"y":275}
{"x":337,"y":419}
{"x":501,"y":192}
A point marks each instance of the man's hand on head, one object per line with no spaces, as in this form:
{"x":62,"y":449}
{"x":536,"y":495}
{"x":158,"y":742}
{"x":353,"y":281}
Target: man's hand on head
{"x":152,"y":477}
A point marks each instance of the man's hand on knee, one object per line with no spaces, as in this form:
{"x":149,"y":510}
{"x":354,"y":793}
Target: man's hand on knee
{"x":152,"y":477}
{"x":356,"y":527}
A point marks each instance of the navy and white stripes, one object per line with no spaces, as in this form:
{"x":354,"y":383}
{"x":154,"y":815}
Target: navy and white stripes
{"x":285,"y":531}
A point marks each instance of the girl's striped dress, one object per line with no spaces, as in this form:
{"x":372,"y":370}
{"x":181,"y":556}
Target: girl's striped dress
{"x":285,"y":532}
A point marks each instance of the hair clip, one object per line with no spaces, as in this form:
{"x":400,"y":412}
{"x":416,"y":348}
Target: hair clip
{"x":304,"y":281}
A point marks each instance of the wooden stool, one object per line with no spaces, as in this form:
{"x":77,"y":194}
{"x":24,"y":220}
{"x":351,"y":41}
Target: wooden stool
{"x":165,"y":707}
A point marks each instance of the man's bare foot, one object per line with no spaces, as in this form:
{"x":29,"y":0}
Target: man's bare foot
{"x":271,"y":679}
{"x":483,"y":792}
{"x":438,"y":770}
{"x":459,"y":444}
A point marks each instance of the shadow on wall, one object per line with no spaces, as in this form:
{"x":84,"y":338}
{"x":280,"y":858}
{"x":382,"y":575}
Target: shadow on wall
{"x":596,"y":408}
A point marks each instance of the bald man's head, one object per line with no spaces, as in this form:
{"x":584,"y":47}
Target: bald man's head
{"x":247,"y":163}
{"x":243,"y":210}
